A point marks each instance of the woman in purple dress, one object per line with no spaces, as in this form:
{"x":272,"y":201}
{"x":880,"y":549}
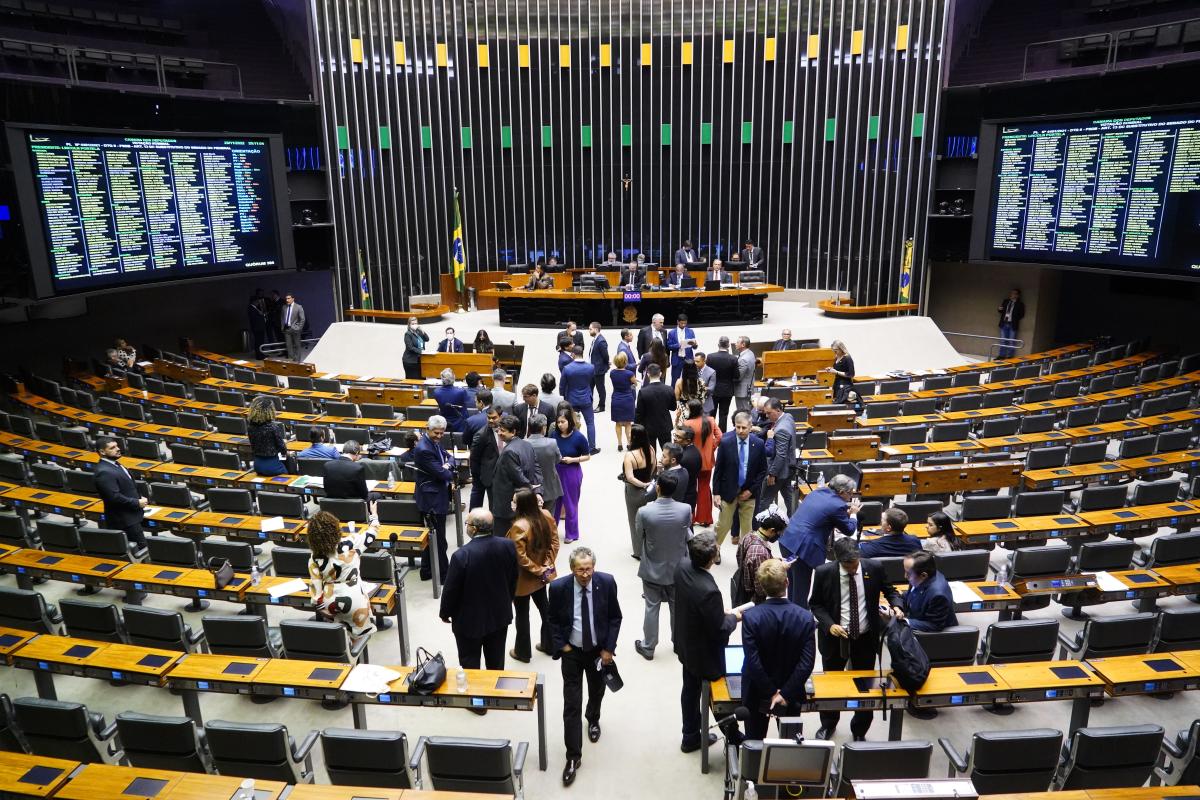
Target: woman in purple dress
{"x":574,"y":449}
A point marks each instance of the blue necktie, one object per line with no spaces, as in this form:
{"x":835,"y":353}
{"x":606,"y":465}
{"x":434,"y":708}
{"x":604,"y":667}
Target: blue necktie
{"x":741,"y":462}
{"x":288,"y":321}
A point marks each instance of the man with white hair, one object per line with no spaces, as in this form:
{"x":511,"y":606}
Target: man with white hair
{"x":452,"y":401}
{"x":435,"y":477}
{"x":807,"y":536}
{"x":502,"y":399}
{"x":649,"y":334}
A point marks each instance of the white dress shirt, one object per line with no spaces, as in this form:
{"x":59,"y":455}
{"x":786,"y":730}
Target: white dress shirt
{"x":862,"y":600}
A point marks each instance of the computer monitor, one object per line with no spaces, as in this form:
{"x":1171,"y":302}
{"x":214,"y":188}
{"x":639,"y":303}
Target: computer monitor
{"x":687,"y":282}
{"x":593,"y":280}
{"x":735,"y":656}
{"x":712,"y":286}
{"x":784,"y":762}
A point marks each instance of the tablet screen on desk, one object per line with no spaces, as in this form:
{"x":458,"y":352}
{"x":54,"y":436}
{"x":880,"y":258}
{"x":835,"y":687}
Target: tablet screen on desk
{"x":9,"y":639}
{"x":238,"y":669}
{"x":49,"y":560}
{"x":1180,"y":508}
{"x":105,"y":567}
{"x":40,"y":776}
{"x":512,"y":684}
{"x":1004,"y":525}
{"x":991,"y":590}
{"x":1124,"y":514}
{"x":976,"y":678}
{"x":168,"y":575}
{"x":1068,"y":672}
{"x":80,"y":651}
{"x":1139,"y":577}
{"x":1163,"y":665}
{"x":324,"y":674}
{"x":145,"y":787}
{"x":153,"y":660}
{"x":230,"y":520}
{"x":1064,"y":521}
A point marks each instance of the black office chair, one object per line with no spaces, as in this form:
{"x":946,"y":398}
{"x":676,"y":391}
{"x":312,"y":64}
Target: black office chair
{"x":1178,"y":401}
{"x":60,"y":729}
{"x":76,"y":437}
{"x":1179,"y":761}
{"x":156,"y":742}
{"x":893,"y":568}
{"x":1038,"y":504}
{"x":299,"y":382}
{"x":290,"y":562}
{"x":1007,"y":761}
{"x":953,"y":646}
{"x":59,"y":537}
{"x":1079,"y":417}
{"x":13,"y":468}
{"x":10,"y":735}
{"x":299,"y":405}
{"x":377,"y":410}
{"x":1136,"y":446}
{"x":937,"y":382}
{"x":1065,"y":389}
{"x":206,"y":394}
{"x":1036,"y":423}
{"x":311,"y":466}
{"x":1087,"y":453}
{"x":1108,"y":758}
{"x":998,"y":399}
{"x":1152,"y":406}
{"x":230,"y":501}
{"x":963,"y":565}
{"x":99,"y":621}
{"x":862,"y":761}
{"x":1113,"y":412}
{"x":109,"y":406}
{"x":1102,"y":498}
{"x":309,"y":640}
{"x":1102,"y":637}
{"x":47,"y":432}
{"x":222,"y":459}
{"x":81,"y":482}
{"x":166,"y":630}
{"x":1177,"y":629}
{"x":242,"y":635}
{"x":460,"y":764}
{"x":335,"y":408}
{"x":327,"y":385}
{"x":1002,"y":374}
{"x":1036,"y":394}
{"x":1003,"y":426}
{"x":15,"y":531}
{"x":346,"y":510}
{"x":240,"y":554}
{"x":977,"y":507}
{"x":966,"y":402}
{"x":263,"y":751}
{"x":232,"y":397}
{"x":1018,"y":640}
{"x":235,"y":426}
{"x":1037,"y":562}
{"x":187,"y":454}
{"x":398,"y":512}
{"x":193,"y":422}
{"x":870,"y":514}
{"x":163,"y":416}
{"x":921,"y":405}
{"x":1046,"y":458}
{"x":48,"y":476}
{"x":918,"y":511}
{"x":902,"y":434}
{"x":950,"y":431}
{"x":379,"y":567}
{"x":1024,"y":371}
{"x":29,"y":611}
{"x":1169,"y":550}
{"x":1103,"y":556}
{"x":281,"y":504}
{"x":367,"y":758}
{"x":342,"y":434}
{"x":174,"y":495}
{"x":1171,"y":441}
{"x":110,"y":544}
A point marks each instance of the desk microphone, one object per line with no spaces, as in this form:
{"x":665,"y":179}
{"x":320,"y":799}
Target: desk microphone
{"x":392,"y":542}
{"x":740,"y":714}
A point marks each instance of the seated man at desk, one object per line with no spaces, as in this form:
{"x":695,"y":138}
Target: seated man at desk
{"x":718,"y":273}
{"x":633,"y":274}
{"x":345,"y":478}
{"x":784,"y":342}
{"x":318,"y":435}
{"x":686,"y":254}
{"x":929,"y":603}
{"x":538,"y":279}
{"x":680,"y":279}
{"x":451,"y":344}
{"x":893,"y":541}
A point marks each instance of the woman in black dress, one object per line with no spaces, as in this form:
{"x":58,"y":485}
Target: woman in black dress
{"x":483,"y":342}
{"x":415,"y":340}
{"x":843,"y":371}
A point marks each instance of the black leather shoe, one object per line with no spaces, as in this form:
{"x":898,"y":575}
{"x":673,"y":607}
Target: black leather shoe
{"x":569,"y":771}
{"x":594,"y":451}
{"x":709,"y":740}
{"x":825,"y":733}
{"x":644,"y":652}
{"x":593,"y":732}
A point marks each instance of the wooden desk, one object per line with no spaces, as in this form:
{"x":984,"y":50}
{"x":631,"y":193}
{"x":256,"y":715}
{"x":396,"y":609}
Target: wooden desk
{"x":105,"y":780}
{"x":62,"y":503}
{"x":460,"y":364}
{"x":286,"y":677}
{"x":981,"y":414}
{"x":200,"y":477}
{"x":12,"y":639}
{"x":1022,"y":442}
{"x":1184,"y":578}
{"x":803,"y":363}
{"x":1101,"y":472}
{"x":240,"y":527}
{"x":885,"y":482}
{"x":1145,"y":674}
{"x":193,"y":786}
{"x":1053,"y":680}
{"x":163,"y":517}
{"x":35,"y":776}
{"x":954,"y":478}
{"x":180,"y":582}
{"x":895,"y":422}
{"x":956,"y":686}
{"x":395,"y":397}
{"x":830,"y":421}
{"x":854,"y":448}
{"x":991,"y":596}
{"x":847,"y":310}
{"x":1134,"y":521}
{"x":48,"y":655}
{"x":1163,"y":464}
{"x":1187,"y":418}
{"x":84,"y":570}
{"x":313,"y":791}
{"x":986,"y":531}
{"x":915,"y":452}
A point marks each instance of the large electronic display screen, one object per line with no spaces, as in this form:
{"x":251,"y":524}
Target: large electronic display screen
{"x":108,"y":209}
{"x":1112,"y":191}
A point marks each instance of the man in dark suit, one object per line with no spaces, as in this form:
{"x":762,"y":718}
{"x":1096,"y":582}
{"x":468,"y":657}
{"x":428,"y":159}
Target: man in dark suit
{"x":632,"y":275}
{"x":781,"y":461}
{"x":573,"y":333}
{"x":435,"y":477}
{"x":686,"y":254}
{"x":701,"y":630}
{"x":653,"y":331}
{"x":784,"y":342}
{"x":451,"y":344}
{"x":806,"y":538}
{"x":517,"y":466}
{"x":122,"y":503}
{"x":477,"y":599}
{"x":578,"y":381}
{"x":1012,"y":311}
{"x":485,"y":452}
{"x":477,"y":421}
{"x":893,"y":541}
{"x":738,"y":476}
{"x":655,"y":403}
{"x":528,"y":407}
{"x":929,"y":603}
{"x":691,"y":461}
{"x":777,"y":636}
{"x":585,"y":619}
{"x":752,"y":254}
{"x":848,"y":633}
{"x":452,"y":401}
{"x":345,"y":477}
{"x":717,"y":272}
{"x":668,"y":464}
{"x":292,"y":320}
{"x":598,"y":355}
{"x":725,"y":365}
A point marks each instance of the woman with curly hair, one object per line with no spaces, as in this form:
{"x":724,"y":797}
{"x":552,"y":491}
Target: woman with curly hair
{"x":333,"y":572}
{"x":268,"y":444}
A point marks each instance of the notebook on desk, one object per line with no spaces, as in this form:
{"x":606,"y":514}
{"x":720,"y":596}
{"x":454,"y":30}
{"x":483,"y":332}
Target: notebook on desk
{"x":734,"y":657}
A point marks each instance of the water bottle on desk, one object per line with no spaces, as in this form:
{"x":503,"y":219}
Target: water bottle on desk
{"x":1002,"y":574}
{"x":246,"y":790}
{"x":821,"y":480}
{"x":255,"y":575}
{"x":751,"y":792}
{"x":460,"y":680}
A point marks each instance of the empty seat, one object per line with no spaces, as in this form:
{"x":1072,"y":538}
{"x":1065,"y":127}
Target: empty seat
{"x":1169,"y":550}
{"x":176,"y":495}
{"x":155,"y":742}
{"x":187,"y":454}
{"x":299,"y":405}
{"x":47,"y":432}
{"x":1088,"y":453}
{"x":163,"y":416}
{"x":966,"y":379}
{"x":986,"y":507}
{"x":311,"y":466}
{"x":242,"y":635}
{"x":194,"y":422}
{"x":998,"y":399}
{"x":880,"y":761}
{"x":13,"y":468}
{"x":1004,"y":426}
{"x":366,"y":758}
{"x":1179,"y":763}
{"x":232,"y":425}
{"x":1017,"y":640}
{"x":1113,"y":412}
{"x":1100,"y":383}
{"x":1155,"y":492}
{"x":281,"y":504}
{"x":142,"y":448}
{"x":1008,"y":761}
{"x":133,"y":411}
{"x":327,"y":385}
{"x":953,"y":646}
{"x":76,"y":437}
{"x":1104,"y":556}
{"x":263,"y":751}
{"x":299,"y":382}
{"x":937,"y":382}
{"x":59,"y":537}
{"x":966,"y":402}
{"x":1046,"y":457}
{"x":1079,"y":417}
{"x":918,"y":511}
{"x":204,"y":394}
{"x":1028,"y":371}
{"x":60,"y":729}
{"x":80,"y":482}
{"x":1002,"y":374}
{"x":1064,"y":389}
{"x":158,"y":627}
{"x":963,"y":565}
{"x":906,"y":434}
{"x":1170,"y":441}
{"x":460,"y":764}
{"x":1036,"y":562}
{"x":1036,"y":394}
{"x":1177,"y":629}
{"x":28,"y":610}
{"x":310,"y":640}
{"x":222,"y":459}
{"x":1101,"y":637}
{"x":336,"y":408}
{"x":239,"y":554}
{"x":893,"y":568}
{"x":290,"y":562}
{"x":870,"y":514}
{"x":377,"y":410}
{"x":232,"y":501}
{"x":1136,"y":446}
{"x":1038,"y":504}
{"x":111,"y":544}
{"x":15,"y":531}
{"x":1153,"y":406}
{"x":173,"y":551}
{"x":879,"y":410}
{"x":346,"y":510}
{"x":950,"y":431}
{"x":1109,"y":758}
{"x":1101,"y":498}
{"x":1036,"y":423}
{"x":920,"y":405}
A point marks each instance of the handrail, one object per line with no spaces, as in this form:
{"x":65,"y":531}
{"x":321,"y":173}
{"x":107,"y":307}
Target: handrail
{"x":1107,"y":58}
{"x":998,"y":341}
{"x":1116,"y":33}
{"x":1113,"y":41}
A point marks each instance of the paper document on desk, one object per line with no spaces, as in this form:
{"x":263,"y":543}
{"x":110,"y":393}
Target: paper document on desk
{"x":282,"y":589}
{"x":369,"y":679}
{"x":365,"y":377}
{"x":150,"y":511}
{"x":271,"y":524}
{"x":371,"y":485}
{"x":1108,"y":583}
{"x":962,"y":593}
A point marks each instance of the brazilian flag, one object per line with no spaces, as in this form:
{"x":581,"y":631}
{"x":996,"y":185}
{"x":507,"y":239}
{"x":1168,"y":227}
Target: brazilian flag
{"x":458,"y":255}
{"x":362,"y":283}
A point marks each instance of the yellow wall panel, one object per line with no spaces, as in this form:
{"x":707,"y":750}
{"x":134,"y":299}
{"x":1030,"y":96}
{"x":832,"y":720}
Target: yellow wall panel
{"x":647,"y":54}
{"x":564,"y":55}
{"x":356,"y":51}
{"x":442,"y":54}
{"x":685,"y":53}
{"x":483,"y":56}
{"x":901,"y":37}
{"x":606,"y":55}
{"x":769,"y":49}
{"x":814,"y":45}
{"x":522,"y":55}
{"x":728,"y":51}
{"x":856,"y":43}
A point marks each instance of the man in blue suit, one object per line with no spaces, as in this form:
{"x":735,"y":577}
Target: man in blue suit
{"x":585,"y":619}
{"x":686,"y":254}
{"x":929,"y":603}
{"x":452,"y":401}
{"x":807,"y":535}
{"x":777,"y":636}
{"x":893,"y":541}
{"x":578,"y":378}
{"x":625,"y":347}
{"x":681,"y":342}
{"x":451,"y":344}
{"x":738,"y":476}
{"x":435,"y":475}
{"x":598,"y":355}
